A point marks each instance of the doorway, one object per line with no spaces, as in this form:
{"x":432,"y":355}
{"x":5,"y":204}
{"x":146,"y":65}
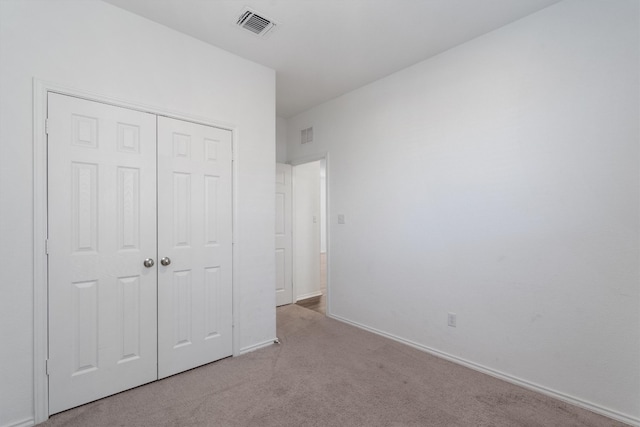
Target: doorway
{"x":310,"y":234}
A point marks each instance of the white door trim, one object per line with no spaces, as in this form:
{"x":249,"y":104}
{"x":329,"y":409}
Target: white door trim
{"x":40,"y":266}
{"x":299,"y":161}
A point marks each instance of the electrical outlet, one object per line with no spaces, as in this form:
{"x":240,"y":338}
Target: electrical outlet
{"x":451,"y":320}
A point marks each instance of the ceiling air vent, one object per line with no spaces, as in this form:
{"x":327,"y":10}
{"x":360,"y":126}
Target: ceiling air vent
{"x":258,"y":25}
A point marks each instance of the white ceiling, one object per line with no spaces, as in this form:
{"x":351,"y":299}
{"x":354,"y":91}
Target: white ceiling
{"x":322,"y":49}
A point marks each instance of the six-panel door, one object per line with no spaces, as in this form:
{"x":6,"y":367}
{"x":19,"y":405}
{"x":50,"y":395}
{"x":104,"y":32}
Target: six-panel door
{"x":194,"y":233}
{"x":102,"y":226}
{"x":284,"y":284}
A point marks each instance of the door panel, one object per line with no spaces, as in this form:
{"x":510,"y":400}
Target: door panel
{"x":195,"y":224}
{"x":284,"y":284}
{"x":102,"y":225}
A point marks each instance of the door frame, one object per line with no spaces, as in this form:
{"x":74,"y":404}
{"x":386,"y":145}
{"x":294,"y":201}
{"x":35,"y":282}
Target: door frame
{"x":41,"y":90}
{"x":300,"y":161}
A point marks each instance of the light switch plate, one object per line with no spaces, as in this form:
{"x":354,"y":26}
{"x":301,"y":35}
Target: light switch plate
{"x":452,"y":319}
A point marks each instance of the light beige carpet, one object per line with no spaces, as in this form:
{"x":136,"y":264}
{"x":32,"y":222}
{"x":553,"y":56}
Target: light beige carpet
{"x":326,"y":373}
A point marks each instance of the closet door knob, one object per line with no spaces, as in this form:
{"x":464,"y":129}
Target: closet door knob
{"x":165,"y":261}
{"x":148,"y":263}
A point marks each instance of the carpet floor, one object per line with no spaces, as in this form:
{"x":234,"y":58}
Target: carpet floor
{"x":327,"y":373}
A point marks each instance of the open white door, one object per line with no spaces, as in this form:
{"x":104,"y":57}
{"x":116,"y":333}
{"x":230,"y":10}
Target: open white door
{"x":102,"y":226}
{"x":284,"y":282}
{"x":194,"y":245}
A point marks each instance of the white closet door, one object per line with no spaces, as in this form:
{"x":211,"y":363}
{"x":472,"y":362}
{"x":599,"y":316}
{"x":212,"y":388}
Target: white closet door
{"x":284,"y":283}
{"x":102,"y":226}
{"x":194,"y":234}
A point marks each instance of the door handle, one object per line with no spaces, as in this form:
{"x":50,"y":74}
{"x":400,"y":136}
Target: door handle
{"x":148,"y":263}
{"x":165,"y":261}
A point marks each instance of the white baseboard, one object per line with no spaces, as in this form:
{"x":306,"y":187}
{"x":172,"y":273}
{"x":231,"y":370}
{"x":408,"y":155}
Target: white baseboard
{"x":258,"y":346}
{"x":618,"y":416}
{"x":27,"y":422}
{"x":309,"y":295}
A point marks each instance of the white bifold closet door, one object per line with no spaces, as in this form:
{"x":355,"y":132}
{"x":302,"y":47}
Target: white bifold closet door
{"x":121,"y":194}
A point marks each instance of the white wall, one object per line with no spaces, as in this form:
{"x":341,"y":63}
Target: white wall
{"x":281,"y":140}
{"x":96,"y":47}
{"x":500,"y":181}
{"x":306,"y":230}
